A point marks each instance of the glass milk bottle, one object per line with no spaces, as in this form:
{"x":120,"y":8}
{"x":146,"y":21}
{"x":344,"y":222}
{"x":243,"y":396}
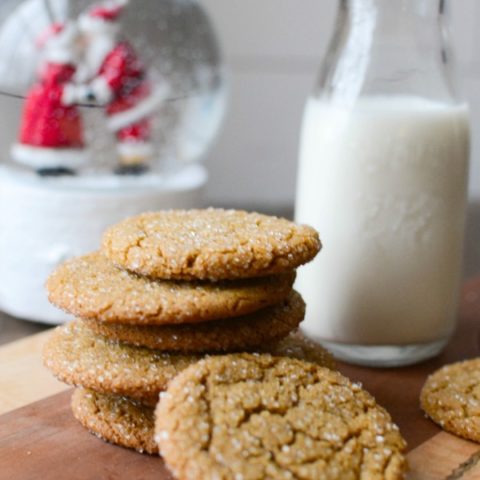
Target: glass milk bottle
{"x":383,"y":176}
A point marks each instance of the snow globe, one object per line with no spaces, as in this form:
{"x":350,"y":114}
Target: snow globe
{"x":107,"y":109}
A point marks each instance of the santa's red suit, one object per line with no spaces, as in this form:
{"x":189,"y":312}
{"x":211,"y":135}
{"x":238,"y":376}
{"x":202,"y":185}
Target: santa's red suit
{"x":122,"y":77}
{"x":118,"y":80}
{"x":47,"y":122}
{"x":51,"y":130}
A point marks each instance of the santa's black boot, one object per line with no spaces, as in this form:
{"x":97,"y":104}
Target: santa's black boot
{"x":134,"y":169}
{"x":56,"y":172}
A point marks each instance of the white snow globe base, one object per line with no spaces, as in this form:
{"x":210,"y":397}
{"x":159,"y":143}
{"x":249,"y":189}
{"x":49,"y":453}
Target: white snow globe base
{"x":50,"y":220}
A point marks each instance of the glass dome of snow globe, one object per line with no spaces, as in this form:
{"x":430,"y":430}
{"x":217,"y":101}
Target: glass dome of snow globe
{"x":107,"y":108}
{"x":140,"y":84}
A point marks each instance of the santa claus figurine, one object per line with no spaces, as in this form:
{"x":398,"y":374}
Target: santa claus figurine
{"x":118,"y":80}
{"x":51,"y":132}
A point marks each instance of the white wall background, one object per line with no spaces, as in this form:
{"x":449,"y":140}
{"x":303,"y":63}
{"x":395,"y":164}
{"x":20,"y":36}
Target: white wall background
{"x":273,"y":49}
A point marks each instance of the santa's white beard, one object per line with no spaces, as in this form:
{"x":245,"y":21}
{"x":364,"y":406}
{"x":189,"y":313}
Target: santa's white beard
{"x":99,"y":46}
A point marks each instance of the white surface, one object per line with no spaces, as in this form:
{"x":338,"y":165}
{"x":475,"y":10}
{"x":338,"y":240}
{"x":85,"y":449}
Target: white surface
{"x":386,"y":186}
{"x":46,"y":221}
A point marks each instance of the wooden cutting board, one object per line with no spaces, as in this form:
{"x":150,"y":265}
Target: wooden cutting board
{"x":43,"y":441}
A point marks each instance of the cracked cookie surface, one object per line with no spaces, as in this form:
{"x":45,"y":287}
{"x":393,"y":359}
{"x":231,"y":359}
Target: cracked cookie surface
{"x":246,"y":332}
{"x":261,"y":417}
{"x":92,"y":287}
{"x":212,"y":244}
{"x":115,"y":419}
{"x":451,"y":398}
{"x":77,"y":356}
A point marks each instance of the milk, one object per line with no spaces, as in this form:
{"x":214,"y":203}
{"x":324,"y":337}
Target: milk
{"x":385,"y":184}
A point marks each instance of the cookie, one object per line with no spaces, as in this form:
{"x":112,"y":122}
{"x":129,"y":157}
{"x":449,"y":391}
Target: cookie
{"x":75,"y":355}
{"x":117,"y":420}
{"x":92,"y":287}
{"x":297,"y":345}
{"x":451,"y":398}
{"x":78,"y":357}
{"x":258,"y":416}
{"x":211,"y":244}
{"x":232,"y":334}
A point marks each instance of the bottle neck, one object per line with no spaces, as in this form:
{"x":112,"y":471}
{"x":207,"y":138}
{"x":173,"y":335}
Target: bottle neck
{"x":389,"y":46}
{"x":394,"y":14}
{"x":398,"y":23}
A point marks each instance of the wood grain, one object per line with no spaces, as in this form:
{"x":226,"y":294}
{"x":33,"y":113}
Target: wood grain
{"x":43,"y":441}
{"x":441,"y":456}
{"x":23,"y":379}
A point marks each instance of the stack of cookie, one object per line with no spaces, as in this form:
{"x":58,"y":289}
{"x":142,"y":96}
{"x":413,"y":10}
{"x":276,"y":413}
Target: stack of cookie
{"x":167,"y":289}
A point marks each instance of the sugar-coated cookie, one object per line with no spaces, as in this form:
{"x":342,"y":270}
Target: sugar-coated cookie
{"x":92,"y":287}
{"x":451,"y":398}
{"x":75,"y":355}
{"x":232,"y":334}
{"x":212,"y":244}
{"x":258,"y":416}
{"x":115,"y":419}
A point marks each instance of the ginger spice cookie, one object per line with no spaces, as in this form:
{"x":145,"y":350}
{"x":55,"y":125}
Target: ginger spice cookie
{"x":257,"y":416}
{"x":78,"y":356}
{"x":209,"y":244}
{"x":451,"y":398}
{"x":92,"y":287}
{"x":231,"y":334}
{"x":115,"y":419}
{"x":75,"y":355}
